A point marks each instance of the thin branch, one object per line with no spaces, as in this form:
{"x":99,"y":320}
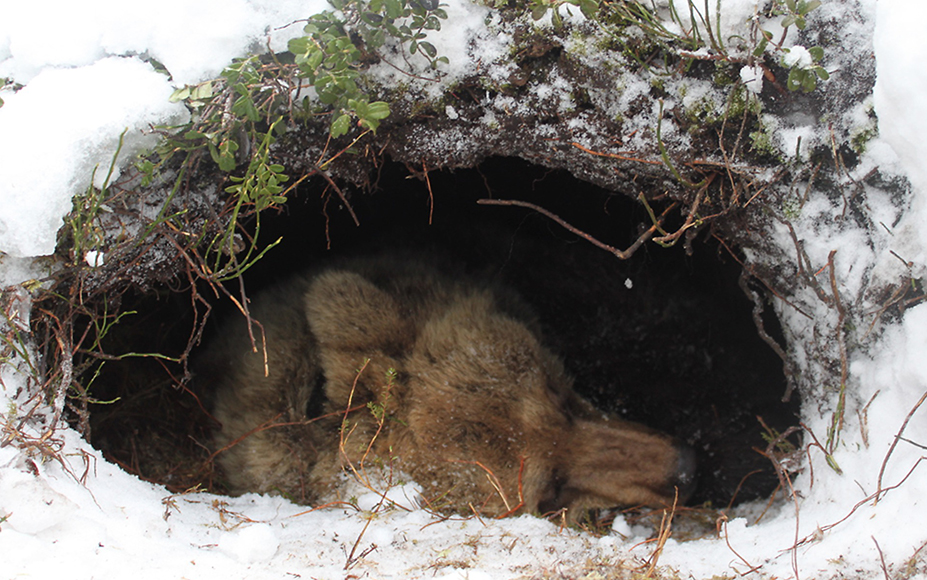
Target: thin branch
{"x":616,"y":155}
{"x":760,"y":279}
{"x":891,"y":449}
{"x":620,"y":254}
{"x":761,"y":330}
{"x":881,"y":558}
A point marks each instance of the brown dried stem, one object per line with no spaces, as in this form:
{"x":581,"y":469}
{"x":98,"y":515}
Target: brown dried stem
{"x":891,"y":449}
{"x":761,"y":330}
{"x":620,"y":254}
{"x":666,"y":530}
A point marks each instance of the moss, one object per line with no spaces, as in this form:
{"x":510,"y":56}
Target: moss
{"x":704,"y":113}
{"x":579,"y":43}
{"x":761,"y":141}
{"x":725,"y":74}
{"x":861,"y":136}
{"x":741,"y":102}
{"x":658,"y":83}
{"x":791,"y":208}
{"x":607,"y":43}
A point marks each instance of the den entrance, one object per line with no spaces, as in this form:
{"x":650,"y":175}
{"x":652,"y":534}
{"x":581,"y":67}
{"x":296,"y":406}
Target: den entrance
{"x":666,"y":338}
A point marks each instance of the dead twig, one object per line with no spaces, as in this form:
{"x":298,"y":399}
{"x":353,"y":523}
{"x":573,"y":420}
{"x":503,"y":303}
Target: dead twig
{"x":785,"y":482}
{"x":666,"y":530}
{"x":804,"y":265}
{"x":431,"y":195}
{"x":620,"y":254}
{"x":273,"y":424}
{"x":760,"y":278}
{"x":881,"y":558}
{"x":721,"y":526}
{"x":497,"y":486}
{"x":616,"y":155}
{"x":895,"y":441}
{"x":758,"y":308}
{"x":730,"y":504}
{"x":841,"y":314}
{"x":670,"y":239}
{"x":880,"y":490}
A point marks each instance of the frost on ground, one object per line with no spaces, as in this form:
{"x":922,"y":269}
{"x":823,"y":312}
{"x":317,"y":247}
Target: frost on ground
{"x":857,"y":246}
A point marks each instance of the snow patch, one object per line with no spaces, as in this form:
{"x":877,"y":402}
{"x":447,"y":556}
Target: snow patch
{"x":67,"y":125}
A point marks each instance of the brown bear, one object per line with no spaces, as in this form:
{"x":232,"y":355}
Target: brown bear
{"x":390,"y":359}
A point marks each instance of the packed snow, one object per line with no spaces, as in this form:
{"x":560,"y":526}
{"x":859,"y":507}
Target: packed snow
{"x":88,"y":77}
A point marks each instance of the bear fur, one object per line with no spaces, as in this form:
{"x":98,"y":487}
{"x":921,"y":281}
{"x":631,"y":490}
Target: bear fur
{"x":471,"y":405}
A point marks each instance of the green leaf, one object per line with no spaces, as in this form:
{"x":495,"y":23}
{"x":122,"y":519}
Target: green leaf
{"x":359,"y":106}
{"x":816,"y":52}
{"x":194,"y":134}
{"x":761,"y":47}
{"x":393,"y":9}
{"x":314,"y":61}
{"x":300,"y":44}
{"x":371,"y":18}
{"x":244,"y":106}
{"x":377,"y":110}
{"x":811,"y":6}
{"x":179,"y":95}
{"x":428,"y":49}
{"x":327,"y":97}
{"x":794,"y":82}
{"x":340,"y":126}
{"x":203,"y":91}
{"x":589,"y":8}
{"x":221,"y":156}
{"x":822,"y":74}
{"x":809,"y":83}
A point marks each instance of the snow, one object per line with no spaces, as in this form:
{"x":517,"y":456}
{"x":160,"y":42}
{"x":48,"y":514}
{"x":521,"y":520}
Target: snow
{"x":798,"y":56}
{"x":112,"y":95}
{"x":88,"y":79}
{"x":902,"y":115}
{"x":752,"y":77}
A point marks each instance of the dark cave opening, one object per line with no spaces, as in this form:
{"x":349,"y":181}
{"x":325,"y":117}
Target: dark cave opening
{"x":665,"y":338}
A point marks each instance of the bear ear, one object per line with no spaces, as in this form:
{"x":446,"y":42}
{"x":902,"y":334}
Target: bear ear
{"x":347,"y":311}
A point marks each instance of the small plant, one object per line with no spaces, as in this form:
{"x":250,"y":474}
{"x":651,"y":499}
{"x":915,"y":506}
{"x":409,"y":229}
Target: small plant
{"x":379,"y":408}
{"x":330,"y":60}
{"x":834,"y":430}
{"x":804,"y":70}
{"x":237,"y":116}
{"x":87,"y":235}
{"x":796,"y":12}
{"x":539,"y":8}
{"x":686,"y":31}
{"x":258,"y":189}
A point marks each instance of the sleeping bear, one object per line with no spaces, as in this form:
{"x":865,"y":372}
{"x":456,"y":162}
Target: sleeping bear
{"x":445,"y":377}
